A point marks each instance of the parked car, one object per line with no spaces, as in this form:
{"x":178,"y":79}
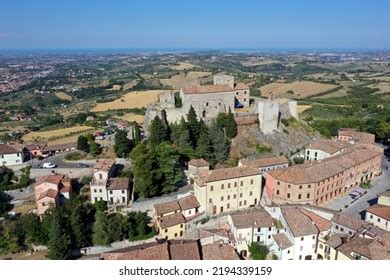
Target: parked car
{"x":82,"y":165}
{"x":48,"y":165}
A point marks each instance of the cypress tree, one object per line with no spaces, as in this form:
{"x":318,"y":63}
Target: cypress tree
{"x":193,"y":126}
{"x":59,"y":240}
{"x":219,"y":143}
{"x":158,"y":132}
{"x":203,"y":150}
{"x":82,"y":143}
{"x":100,"y":235}
{"x":78,"y":227}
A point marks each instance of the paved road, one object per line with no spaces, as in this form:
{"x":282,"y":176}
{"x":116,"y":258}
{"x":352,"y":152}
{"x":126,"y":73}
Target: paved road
{"x":380,"y":184}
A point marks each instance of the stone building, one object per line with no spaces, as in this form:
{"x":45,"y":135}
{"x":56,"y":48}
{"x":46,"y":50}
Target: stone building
{"x":227,"y":189}
{"x":321,"y":181}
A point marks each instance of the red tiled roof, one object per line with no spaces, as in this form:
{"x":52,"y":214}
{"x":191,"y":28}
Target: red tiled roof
{"x":224,"y":174}
{"x":52,"y":179}
{"x":104,"y":164}
{"x":171,"y":220}
{"x":49,"y":193}
{"x":151,"y":251}
{"x":258,"y":218}
{"x":198,"y":162}
{"x":8,"y":149}
{"x":299,"y":223}
{"x":382,"y":211}
{"x":328,"y":146}
{"x":118,"y":184}
{"x":188,"y":202}
{"x":347,"y":221}
{"x":317,"y":171}
{"x":219,"y":251}
{"x":240,"y":86}
{"x":166,"y":207}
{"x":184,"y":250}
{"x":321,"y":223}
{"x":264,"y":162}
{"x":282,"y":241}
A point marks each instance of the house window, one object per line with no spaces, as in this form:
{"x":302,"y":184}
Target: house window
{"x":95,"y":190}
{"x":222,"y":186}
{"x":241,"y":183}
{"x":100,"y":190}
{"x":301,"y":248}
{"x":277,"y":192}
{"x":240,"y":204}
{"x":240,"y":194}
{"x":110,"y":192}
{"x":234,"y":196}
{"x":270,"y":228}
{"x":244,"y":202}
{"x":229,"y":185}
{"x":278,"y":183}
{"x":300,"y":257}
{"x":221,"y":198}
{"x":269,"y":236}
{"x":228,"y":197}
{"x":300,"y":187}
{"x":251,"y":181}
{"x":176,"y":234}
{"x":250,"y":193}
{"x":288,"y":186}
{"x":123,"y":191}
{"x":228,"y":205}
{"x":302,"y":238}
{"x":210,"y":200}
{"x":181,"y":226}
{"x":123,"y":199}
{"x":299,"y":196}
{"x":308,"y":195}
{"x":166,"y":230}
{"x":235,"y":184}
{"x":314,"y":237}
{"x":211,"y":188}
{"x":100,"y":176}
{"x":189,"y":212}
{"x":288,"y":195}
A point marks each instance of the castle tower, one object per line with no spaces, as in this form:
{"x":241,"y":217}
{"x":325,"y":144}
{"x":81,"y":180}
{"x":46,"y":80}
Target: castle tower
{"x":221,"y":79}
{"x":268,"y":111}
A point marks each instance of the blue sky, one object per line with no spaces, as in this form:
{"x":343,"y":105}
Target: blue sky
{"x":194,"y":24}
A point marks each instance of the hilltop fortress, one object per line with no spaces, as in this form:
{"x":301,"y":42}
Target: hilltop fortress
{"x":223,"y":95}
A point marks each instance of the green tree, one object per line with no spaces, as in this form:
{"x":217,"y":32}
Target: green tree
{"x":158,"y":132}
{"x":82,"y":144}
{"x":219,"y":143}
{"x":100,"y":234}
{"x":203,"y":150}
{"x":184,"y":144}
{"x":227,"y":123}
{"x":141,"y":220}
{"x":100,"y":205}
{"x":8,"y":243}
{"x":193,"y":126}
{"x":4,"y":203}
{"x":122,"y":145}
{"x":169,"y":170}
{"x":78,"y":226}
{"x":115,"y":227}
{"x":95,"y":149}
{"x":136,"y":134}
{"x":258,"y":251}
{"x":144,"y":170}
{"x":31,"y":227}
{"x":59,"y":240}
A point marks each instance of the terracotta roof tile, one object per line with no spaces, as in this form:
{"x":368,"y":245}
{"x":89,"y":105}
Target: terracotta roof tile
{"x":329,"y":146}
{"x":282,"y":241}
{"x":225,"y":174}
{"x":48,"y":193}
{"x":299,"y":223}
{"x":370,"y":248}
{"x":347,"y":221}
{"x":382,"y":211}
{"x":188,"y":202}
{"x":171,"y":220}
{"x":8,"y":149}
{"x":198,"y":162}
{"x":166,"y":207}
{"x":151,"y":251}
{"x":264,"y":162}
{"x":118,"y":184}
{"x":321,"y":223}
{"x":258,"y":218}
{"x":184,"y":250}
{"x":240,"y":86}
{"x":104,"y":164}
{"x":219,"y":251}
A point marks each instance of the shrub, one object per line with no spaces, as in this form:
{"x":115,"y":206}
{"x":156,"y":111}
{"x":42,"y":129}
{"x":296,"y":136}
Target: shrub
{"x":73,"y":156}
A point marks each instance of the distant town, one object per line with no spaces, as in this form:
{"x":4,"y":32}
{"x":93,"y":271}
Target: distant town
{"x":208,"y":155}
